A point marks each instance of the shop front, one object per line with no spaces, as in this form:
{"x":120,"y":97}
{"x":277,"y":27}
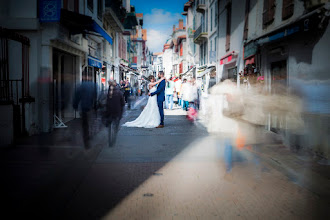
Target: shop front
{"x":229,"y":68}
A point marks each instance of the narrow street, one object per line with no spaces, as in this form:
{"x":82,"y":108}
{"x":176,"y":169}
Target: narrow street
{"x":177,"y":172}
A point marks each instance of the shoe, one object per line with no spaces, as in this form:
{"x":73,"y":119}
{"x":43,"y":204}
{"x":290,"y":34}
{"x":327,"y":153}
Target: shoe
{"x":160,"y":126}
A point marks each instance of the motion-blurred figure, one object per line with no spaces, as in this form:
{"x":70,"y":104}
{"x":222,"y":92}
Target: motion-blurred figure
{"x":84,"y":100}
{"x":114,"y":111}
{"x":169,"y":91}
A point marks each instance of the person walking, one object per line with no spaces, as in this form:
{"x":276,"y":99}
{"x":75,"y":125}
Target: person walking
{"x":84,"y":100}
{"x":178,"y":84}
{"x":185,"y":94}
{"x":114,"y":111}
{"x":127,"y":91}
{"x":169,"y":91}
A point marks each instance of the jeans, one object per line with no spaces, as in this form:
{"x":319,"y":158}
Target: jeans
{"x":169,"y":101}
{"x":185,"y":105}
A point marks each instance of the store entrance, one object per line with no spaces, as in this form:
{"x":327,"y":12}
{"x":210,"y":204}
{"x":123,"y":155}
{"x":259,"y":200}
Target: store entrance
{"x":64,"y":84}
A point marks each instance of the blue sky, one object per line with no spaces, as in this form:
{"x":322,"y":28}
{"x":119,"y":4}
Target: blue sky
{"x":159,"y":18}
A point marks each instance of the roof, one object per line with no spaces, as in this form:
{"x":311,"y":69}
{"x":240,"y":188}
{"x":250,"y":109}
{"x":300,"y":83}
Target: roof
{"x":139,"y":15}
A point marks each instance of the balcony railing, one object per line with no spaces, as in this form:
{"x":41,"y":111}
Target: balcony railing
{"x":199,"y":35}
{"x":201,"y":6}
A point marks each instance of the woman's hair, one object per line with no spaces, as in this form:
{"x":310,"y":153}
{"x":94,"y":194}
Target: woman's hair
{"x":151,"y":77}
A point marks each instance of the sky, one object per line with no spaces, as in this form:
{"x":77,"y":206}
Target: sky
{"x":159,"y":16}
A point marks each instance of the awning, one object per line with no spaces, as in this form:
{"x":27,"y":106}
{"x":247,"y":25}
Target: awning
{"x":101,"y":31}
{"x":78,"y":23}
{"x":186,"y":73}
{"x":249,"y":60}
{"x":228,"y":58}
{"x":94,"y":62}
{"x":208,"y":70}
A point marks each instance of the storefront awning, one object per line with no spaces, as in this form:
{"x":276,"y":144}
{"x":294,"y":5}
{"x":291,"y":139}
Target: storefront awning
{"x":228,"y":58}
{"x":187,"y":72}
{"x":208,"y":70}
{"x":101,"y":31}
{"x":249,"y":60}
{"x":94,"y":62}
{"x":78,"y":23}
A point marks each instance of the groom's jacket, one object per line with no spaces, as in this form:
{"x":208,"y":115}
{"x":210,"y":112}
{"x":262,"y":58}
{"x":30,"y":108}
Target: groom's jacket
{"x":160,"y":92}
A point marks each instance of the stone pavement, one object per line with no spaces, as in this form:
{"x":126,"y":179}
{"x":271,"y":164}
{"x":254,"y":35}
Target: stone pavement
{"x":177,"y":172}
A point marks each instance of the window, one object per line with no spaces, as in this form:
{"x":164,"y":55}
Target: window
{"x":100,"y":9}
{"x":215,"y":44}
{"x":90,"y":4}
{"x":287,"y":9}
{"x":211,"y":19}
{"x":228,"y":30}
{"x":216,"y":14}
{"x":268,"y":13}
{"x":71,"y":5}
{"x":246,"y":22}
{"x":211,"y":46}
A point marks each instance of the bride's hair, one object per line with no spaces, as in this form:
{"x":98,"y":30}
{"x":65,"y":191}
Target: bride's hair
{"x":151,"y":77}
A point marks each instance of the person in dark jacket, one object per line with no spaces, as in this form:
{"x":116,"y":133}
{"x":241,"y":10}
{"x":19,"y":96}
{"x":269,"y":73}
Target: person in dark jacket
{"x":84,"y":100}
{"x":114,"y":110}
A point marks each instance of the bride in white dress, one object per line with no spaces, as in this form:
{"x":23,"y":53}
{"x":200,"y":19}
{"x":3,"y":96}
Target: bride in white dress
{"x":149,"y":117}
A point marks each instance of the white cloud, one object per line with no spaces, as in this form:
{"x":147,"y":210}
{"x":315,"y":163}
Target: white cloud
{"x":161,"y":17}
{"x":159,"y":25}
{"x":156,"y":39}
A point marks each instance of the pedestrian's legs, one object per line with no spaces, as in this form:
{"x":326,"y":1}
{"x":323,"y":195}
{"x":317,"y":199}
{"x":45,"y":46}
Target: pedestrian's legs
{"x":161,"y":112}
{"x":85,"y":127}
{"x":228,"y":155}
{"x":166,"y":101}
{"x":171,"y":101}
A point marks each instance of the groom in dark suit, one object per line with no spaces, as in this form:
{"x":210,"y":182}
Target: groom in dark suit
{"x":160,"y":98}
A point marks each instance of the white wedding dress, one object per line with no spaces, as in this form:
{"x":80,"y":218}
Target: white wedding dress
{"x":149,"y":117}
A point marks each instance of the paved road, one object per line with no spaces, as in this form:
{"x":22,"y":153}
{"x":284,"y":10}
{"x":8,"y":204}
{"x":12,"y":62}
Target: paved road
{"x":177,"y":172}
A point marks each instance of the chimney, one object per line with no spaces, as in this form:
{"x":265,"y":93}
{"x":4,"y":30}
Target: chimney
{"x":173,"y":28}
{"x":181,"y":24}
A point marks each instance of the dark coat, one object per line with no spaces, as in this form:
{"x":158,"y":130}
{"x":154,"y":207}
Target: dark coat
{"x":115,"y":104}
{"x":85,"y":96}
{"x":160,"y":92}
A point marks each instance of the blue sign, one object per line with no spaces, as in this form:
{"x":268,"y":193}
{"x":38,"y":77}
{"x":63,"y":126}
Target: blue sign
{"x":49,"y":10}
{"x":94,"y":62}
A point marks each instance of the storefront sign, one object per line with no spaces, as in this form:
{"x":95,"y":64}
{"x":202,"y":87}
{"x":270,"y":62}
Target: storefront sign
{"x":49,"y":10}
{"x":94,"y":62}
{"x":250,"y":49}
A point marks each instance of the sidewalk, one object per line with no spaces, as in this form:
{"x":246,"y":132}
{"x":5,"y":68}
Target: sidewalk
{"x":301,"y":168}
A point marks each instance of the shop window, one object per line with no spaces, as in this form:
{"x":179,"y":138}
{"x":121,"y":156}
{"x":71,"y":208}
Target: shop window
{"x":287,"y":9}
{"x":228,"y":30}
{"x":278,"y":86}
{"x":232,"y":74}
{"x":268,"y":13}
{"x":90,"y":5}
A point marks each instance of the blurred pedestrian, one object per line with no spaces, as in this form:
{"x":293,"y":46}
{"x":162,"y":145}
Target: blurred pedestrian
{"x":178,"y":84}
{"x":84,"y":100}
{"x":169,"y":91}
{"x":184,"y":94}
{"x":114,"y":111}
{"x":127,"y":91}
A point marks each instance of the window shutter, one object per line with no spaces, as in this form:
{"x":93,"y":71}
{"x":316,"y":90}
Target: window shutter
{"x":246,"y":22}
{"x":269,"y":12}
{"x":228,"y":27}
{"x":287,"y":9}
